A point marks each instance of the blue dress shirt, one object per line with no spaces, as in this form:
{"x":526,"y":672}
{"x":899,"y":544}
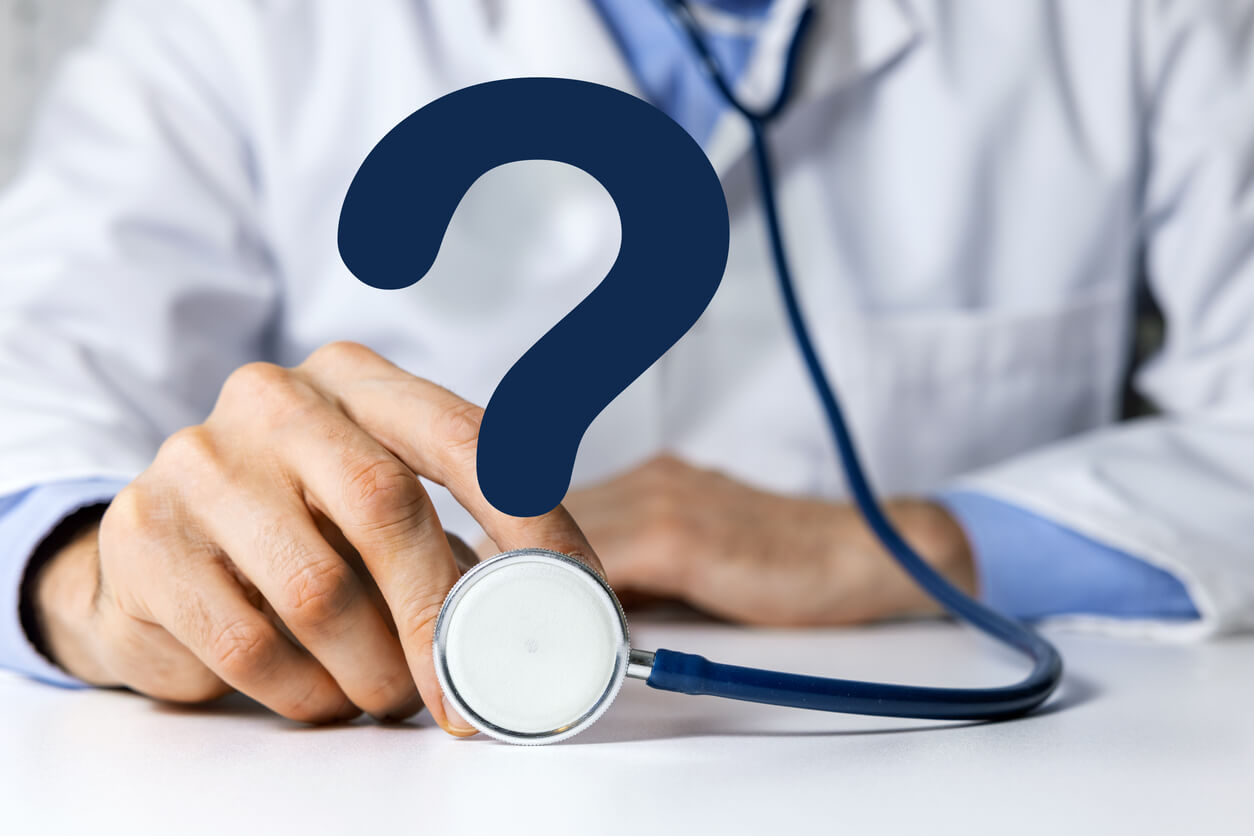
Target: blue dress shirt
{"x":1032,"y":568}
{"x":1026,"y":565}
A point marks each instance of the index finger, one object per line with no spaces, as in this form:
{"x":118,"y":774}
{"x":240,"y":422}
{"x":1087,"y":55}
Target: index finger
{"x":436,"y":434}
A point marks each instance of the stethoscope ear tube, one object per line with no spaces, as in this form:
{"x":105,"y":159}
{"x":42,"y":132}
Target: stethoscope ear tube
{"x":686,"y":673}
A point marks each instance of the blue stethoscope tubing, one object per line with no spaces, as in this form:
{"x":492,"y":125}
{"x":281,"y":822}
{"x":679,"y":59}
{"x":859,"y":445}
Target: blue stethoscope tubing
{"x":690,"y":674}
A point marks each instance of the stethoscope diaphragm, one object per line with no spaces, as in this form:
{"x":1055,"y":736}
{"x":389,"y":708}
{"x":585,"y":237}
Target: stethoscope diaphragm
{"x":531,"y":646}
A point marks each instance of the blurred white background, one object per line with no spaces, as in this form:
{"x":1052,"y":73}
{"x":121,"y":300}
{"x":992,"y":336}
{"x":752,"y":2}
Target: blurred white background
{"x":34,"y":34}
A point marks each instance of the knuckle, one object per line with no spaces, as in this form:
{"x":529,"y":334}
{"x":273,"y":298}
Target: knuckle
{"x":339,"y":354}
{"x":270,"y":397}
{"x":661,"y":474}
{"x":257,"y":380}
{"x":190,"y":450}
{"x":664,"y":464}
{"x":242,"y":650}
{"x":130,"y":511}
{"x":383,"y":493}
{"x":390,"y":691}
{"x":127,"y":544}
{"x":315,"y":705}
{"x":318,"y":593}
{"x":418,"y":617}
{"x":457,"y":426}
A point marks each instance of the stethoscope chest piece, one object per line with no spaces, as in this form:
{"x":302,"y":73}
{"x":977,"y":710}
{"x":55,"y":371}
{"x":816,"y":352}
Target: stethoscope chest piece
{"x":531,"y":646}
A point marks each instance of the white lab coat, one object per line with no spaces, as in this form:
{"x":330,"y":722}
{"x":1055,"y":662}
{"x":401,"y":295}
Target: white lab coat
{"x":966,"y":189}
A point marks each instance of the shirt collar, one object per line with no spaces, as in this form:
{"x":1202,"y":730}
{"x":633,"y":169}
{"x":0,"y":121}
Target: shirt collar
{"x":850,"y":41}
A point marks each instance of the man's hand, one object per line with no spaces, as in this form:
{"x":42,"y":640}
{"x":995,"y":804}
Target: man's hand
{"x":286,"y":548}
{"x":669,"y":529}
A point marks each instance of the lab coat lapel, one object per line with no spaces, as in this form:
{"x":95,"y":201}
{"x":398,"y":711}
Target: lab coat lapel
{"x":849,"y":42}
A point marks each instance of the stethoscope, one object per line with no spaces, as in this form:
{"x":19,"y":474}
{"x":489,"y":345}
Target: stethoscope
{"x":532,"y":646}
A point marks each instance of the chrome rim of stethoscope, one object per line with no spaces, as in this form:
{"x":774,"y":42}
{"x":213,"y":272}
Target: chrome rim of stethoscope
{"x":578,"y":649}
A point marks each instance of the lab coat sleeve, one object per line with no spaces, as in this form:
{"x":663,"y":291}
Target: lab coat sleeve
{"x":1177,"y":489}
{"x":132,"y":277}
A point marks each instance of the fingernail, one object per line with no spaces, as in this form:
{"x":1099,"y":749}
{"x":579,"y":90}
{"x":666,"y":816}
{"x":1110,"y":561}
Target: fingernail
{"x":454,"y":723}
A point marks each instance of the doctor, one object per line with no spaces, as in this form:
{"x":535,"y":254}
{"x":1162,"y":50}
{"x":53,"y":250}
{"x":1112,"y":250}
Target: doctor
{"x":225,"y":463}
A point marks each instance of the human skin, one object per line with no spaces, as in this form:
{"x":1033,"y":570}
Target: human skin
{"x":285,"y":548}
{"x":672,"y":530}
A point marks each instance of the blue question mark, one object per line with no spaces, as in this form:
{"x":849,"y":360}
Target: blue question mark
{"x":674,"y":248}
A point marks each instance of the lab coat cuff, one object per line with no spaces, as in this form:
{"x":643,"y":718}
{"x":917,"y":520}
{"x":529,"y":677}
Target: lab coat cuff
{"x":24,"y":524}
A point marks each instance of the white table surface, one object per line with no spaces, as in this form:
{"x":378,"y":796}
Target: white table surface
{"x":1142,"y":738}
